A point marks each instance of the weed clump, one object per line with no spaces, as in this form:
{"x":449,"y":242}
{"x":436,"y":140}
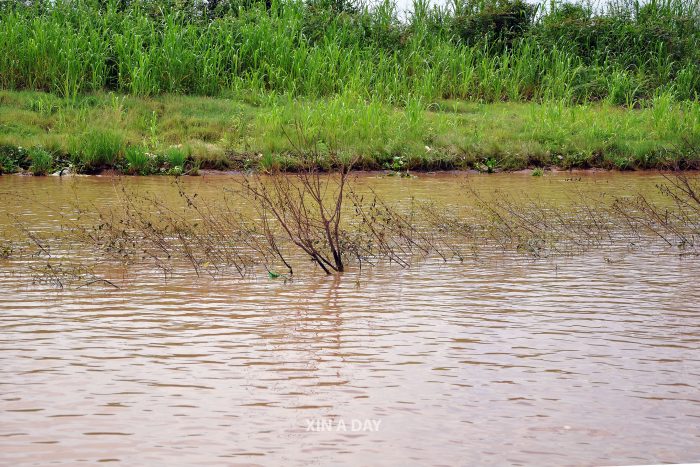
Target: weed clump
{"x":13,"y":159}
{"x":138,"y":160}
{"x":42,"y":161}
{"x":98,"y":150}
{"x":176,"y":158}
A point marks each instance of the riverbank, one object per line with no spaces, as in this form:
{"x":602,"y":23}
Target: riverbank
{"x":175,"y":134}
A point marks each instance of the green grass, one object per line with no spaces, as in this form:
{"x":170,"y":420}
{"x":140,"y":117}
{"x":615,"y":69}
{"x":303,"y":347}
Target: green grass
{"x":11,"y":157}
{"x":42,"y":161}
{"x":97,"y":149}
{"x":215,"y":133}
{"x":138,"y":161}
{"x":484,"y":84}
{"x":478,"y":50}
{"x":176,"y":157}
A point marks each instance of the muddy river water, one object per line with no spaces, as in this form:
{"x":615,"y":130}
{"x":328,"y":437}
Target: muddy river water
{"x":586,"y":360}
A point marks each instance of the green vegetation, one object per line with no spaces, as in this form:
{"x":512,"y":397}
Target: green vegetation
{"x":176,"y":158}
{"x":42,"y":161}
{"x":224,"y":134}
{"x":138,"y":161}
{"x":488,"y":50}
{"x":13,"y":159}
{"x":97,"y":149}
{"x":168,"y":87}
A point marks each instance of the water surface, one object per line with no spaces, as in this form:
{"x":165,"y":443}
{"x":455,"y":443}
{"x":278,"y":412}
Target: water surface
{"x":585,"y":360}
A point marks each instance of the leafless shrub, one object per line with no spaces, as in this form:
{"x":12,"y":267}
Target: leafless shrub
{"x":308,"y":208}
{"x":62,"y":275}
{"x":332,"y":224}
{"x":271,"y":221}
{"x":310,"y":213}
{"x":502,"y":223}
{"x":676,"y":223}
{"x":146,"y":229}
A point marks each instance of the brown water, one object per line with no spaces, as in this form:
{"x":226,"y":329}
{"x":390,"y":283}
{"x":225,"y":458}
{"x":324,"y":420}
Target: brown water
{"x":590,"y":360}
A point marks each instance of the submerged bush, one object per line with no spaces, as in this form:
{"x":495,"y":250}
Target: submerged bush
{"x":292,"y":221}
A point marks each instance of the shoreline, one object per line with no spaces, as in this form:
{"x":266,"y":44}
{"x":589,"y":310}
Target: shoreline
{"x":177,"y":134}
{"x":378,"y":173}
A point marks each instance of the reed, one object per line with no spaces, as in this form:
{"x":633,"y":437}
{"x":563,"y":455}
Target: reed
{"x":624,"y":53}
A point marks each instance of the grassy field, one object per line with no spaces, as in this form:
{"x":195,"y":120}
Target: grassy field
{"x":176,"y":134}
{"x":144,"y":86}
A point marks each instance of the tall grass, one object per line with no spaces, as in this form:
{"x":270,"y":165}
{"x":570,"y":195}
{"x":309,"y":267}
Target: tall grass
{"x":176,"y":158}
{"x":97,"y":149}
{"x":485,"y":50}
{"x":138,"y":161}
{"x":42,"y":161}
